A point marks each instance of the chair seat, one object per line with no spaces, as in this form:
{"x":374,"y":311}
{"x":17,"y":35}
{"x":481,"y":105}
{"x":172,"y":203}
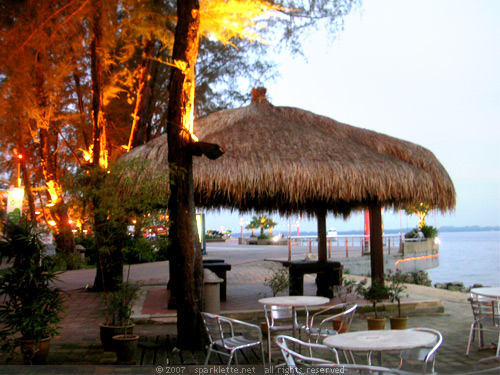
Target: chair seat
{"x":324,"y":332}
{"x":239,"y":342}
{"x":221,"y":333}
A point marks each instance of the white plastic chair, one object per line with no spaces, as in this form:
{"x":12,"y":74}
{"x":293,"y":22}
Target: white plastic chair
{"x":280,"y":319}
{"x":486,"y":318}
{"x":227,"y":339}
{"x":426,"y":355}
{"x":345,"y":317}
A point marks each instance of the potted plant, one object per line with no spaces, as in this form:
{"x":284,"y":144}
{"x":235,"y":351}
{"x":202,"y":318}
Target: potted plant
{"x":31,"y":305}
{"x":118,"y":308}
{"x":395,"y":288}
{"x":125,"y":343}
{"x":345,"y":291}
{"x":375,"y":293}
{"x":278,"y":282}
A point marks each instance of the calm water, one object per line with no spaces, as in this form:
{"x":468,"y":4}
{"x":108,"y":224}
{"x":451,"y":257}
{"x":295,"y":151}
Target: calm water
{"x":470,"y":257}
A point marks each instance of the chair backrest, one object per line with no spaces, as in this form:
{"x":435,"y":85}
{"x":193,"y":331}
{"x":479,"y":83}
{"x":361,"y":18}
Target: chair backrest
{"x":496,"y":313}
{"x":344,"y":317}
{"x":424,"y":354}
{"x":482,"y":308}
{"x":274,"y":314}
{"x":213,"y":326}
{"x":291,"y":348}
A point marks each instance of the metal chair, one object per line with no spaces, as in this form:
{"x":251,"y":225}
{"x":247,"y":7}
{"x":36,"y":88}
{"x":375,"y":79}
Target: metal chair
{"x":493,"y":318}
{"x":297,"y":362}
{"x":425,"y":355}
{"x":486,"y":318}
{"x":344,"y":318}
{"x":222,"y":335}
{"x":293,"y":358}
{"x":278,"y":320}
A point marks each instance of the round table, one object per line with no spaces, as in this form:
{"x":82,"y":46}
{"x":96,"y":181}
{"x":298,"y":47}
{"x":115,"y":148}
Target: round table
{"x":294,"y":301}
{"x":379,"y":341}
{"x":488,"y":292}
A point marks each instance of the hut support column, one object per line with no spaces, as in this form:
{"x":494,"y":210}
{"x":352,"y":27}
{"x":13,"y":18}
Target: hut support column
{"x":322,"y":255}
{"x":376,"y":245}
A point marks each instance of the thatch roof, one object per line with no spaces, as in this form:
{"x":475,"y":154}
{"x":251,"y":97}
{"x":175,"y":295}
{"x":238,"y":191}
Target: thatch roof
{"x":291,"y":160}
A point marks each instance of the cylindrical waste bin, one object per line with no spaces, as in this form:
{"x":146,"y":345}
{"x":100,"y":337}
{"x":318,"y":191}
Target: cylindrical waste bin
{"x":211,"y":291}
{"x":80,"y":251}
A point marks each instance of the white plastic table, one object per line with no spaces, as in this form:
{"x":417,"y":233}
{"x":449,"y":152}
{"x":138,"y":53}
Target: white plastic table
{"x":294,"y":302}
{"x":488,"y":292}
{"x":380,"y":341}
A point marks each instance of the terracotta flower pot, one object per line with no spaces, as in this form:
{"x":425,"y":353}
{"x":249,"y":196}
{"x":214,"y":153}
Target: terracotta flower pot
{"x":125,"y":348}
{"x":35,"y":354}
{"x":337,"y":324}
{"x":399,"y":322}
{"x":108,"y":331}
{"x":376,"y":323}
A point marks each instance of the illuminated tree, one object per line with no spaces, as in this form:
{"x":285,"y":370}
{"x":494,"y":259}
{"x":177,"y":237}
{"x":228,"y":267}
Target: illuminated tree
{"x":420,"y":210}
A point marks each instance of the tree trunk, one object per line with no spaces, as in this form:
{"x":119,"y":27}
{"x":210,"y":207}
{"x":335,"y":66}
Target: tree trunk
{"x":65,"y":242}
{"x":110,"y":257}
{"x":186,"y":270}
{"x":138,"y":131}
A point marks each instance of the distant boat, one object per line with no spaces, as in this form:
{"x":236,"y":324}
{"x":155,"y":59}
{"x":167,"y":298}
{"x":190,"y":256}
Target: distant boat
{"x":332,"y":232}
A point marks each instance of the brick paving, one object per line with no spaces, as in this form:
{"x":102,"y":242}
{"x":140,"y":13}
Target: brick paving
{"x":79,"y":345}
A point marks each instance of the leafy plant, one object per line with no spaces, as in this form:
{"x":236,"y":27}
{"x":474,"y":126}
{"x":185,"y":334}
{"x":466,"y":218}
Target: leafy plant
{"x":395,"y":287}
{"x":374,"y":293}
{"x":31,"y":305}
{"x":345,"y":289}
{"x":279,"y":281}
{"x":427,"y":230}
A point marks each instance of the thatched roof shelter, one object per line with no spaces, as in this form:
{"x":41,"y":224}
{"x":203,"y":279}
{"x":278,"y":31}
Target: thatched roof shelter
{"x":291,"y":160}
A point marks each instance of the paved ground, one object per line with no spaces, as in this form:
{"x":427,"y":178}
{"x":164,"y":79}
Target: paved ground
{"x":79,"y":344}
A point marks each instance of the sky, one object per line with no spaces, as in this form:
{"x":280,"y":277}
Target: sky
{"x":426,"y":71}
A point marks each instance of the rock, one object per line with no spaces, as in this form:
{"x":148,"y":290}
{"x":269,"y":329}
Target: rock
{"x":420,"y":278}
{"x":457,"y":286}
{"x":311,"y":257}
{"x":441,"y":286}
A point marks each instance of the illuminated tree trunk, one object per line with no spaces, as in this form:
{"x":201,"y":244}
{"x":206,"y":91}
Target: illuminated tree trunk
{"x":137,"y":134}
{"x":65,"y":242}
{"x":110,"y":257}
{"x":186,"y":270}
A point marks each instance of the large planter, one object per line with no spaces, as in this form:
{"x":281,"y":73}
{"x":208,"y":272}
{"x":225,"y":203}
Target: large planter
{"x":108,"y":331}
{"x":35,"y":354}
{"x":376,"y":323}
{"x":125,"y":348}
{"x":399,"y":322}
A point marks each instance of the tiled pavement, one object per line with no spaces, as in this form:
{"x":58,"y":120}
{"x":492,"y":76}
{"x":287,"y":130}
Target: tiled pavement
{"x":79,"y":343}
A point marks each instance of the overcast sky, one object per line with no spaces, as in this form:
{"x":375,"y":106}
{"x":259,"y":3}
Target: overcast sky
{"x":427,"y":71}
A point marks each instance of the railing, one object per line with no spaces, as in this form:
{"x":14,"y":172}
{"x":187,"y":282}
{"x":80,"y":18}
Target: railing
{"x":390,"y":242}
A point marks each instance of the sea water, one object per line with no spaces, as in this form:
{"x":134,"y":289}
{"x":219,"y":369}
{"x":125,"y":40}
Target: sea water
{"x":470,"y":257}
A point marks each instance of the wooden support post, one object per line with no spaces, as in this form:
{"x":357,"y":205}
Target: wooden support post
{"x":322,"y":256}
{"x":376,"y":244}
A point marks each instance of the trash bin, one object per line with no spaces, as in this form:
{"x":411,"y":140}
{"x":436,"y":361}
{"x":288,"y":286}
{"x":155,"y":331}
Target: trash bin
{"x":211,"y":291}
{"x":80,"y":251}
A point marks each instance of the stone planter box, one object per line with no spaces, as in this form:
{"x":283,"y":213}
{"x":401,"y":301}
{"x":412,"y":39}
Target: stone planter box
{"x":420,"y":246}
